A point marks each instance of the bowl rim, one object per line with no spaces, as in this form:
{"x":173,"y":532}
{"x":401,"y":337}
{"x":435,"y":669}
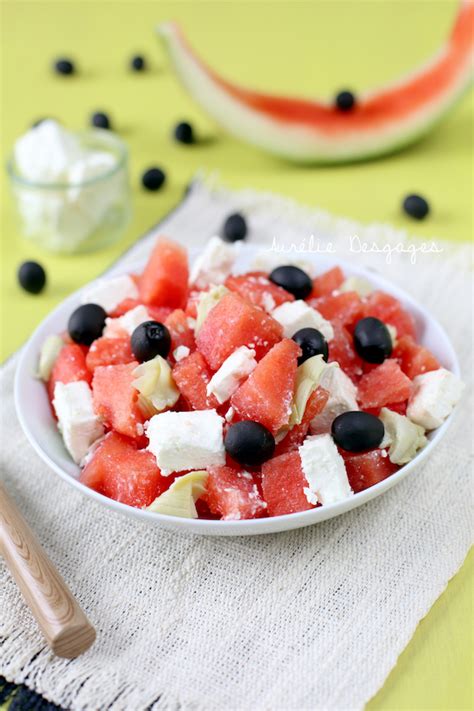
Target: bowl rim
{"x":245,"y":526}
{"x":106,"y":135}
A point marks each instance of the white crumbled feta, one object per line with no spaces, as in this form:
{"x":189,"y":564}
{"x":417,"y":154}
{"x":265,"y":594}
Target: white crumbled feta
{"x":294,"y":315}
{"x":434,"y":397}
{"x":229,"y":416}
{"x":77,"y":421}
{"x":342,"y":398}
{"x":324,"y":470}
{"x":180,"y":353}
{"x":109,"y":293}
{"x":268,"y":302}
{"x":214,"y":264}
{"x":233,"y":370}
{"x":393,"y":334}
{"x":358,"y":284}
{"x":186,"y":440}
{"x":402,"y":436}
{"x":45,"y":152}
{"x":126,"y":324}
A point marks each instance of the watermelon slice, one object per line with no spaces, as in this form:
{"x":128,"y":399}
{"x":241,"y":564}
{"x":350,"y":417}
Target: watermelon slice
{"x":164,"y":281}
{"x":122,"y":472}
{"x":109,"y":351}
{"x":259,"y":290}
{"x":283,"y":484}
{"x":267,"y":394}
{"x":366,"y":469}
{"x":347,"y":308}
{"x":389,"y":310}
{"x":341,"y":350}
{"x":180,"y":331}
{"x":326,"y":283}
{"x":192,"y":376}
{"x":413,"y":358}
{"x":384,"y":384}
{"x":70,"y":365}
{"x":310,"y":131}
{"x":235,"y":322}
{"x":233,"y":495}
{"x":115,"y":400}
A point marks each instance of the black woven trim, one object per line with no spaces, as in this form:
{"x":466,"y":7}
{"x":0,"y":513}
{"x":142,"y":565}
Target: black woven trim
{"x":20,"y":698}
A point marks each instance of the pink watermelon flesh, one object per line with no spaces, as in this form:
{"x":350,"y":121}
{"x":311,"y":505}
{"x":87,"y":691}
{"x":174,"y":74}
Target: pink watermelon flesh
{"x":267,"y":394}
{"x":164,"y":281}
{"x":180,"y":331}
{"x":70,"y":366}
{"x":233,"y":494}
{"x":192,"y":375}
{"x":385,"y":384}
{"x":115,"y":400}
{"x":346,"y":308}
{"x":389,"y":310}
{"x":109,"y":351}
{"x":232,"y":323}
{"x":257,"y":288}
{"x":341,"y":350}
{"x":326,"y":283}
{"x":283,"y":484}
{"x":413,"y":358}
{"x":367,"y":469}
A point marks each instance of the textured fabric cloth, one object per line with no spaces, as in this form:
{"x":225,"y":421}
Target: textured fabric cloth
{"x":310,"y":619}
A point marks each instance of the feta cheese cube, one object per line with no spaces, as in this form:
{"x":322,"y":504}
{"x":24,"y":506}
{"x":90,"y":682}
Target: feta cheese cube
{"x":268,"y":302}
{"x":294,"y":315}
{"x":186,"y":440}
{"x":233,"y":370}
{"x":44,"y":153}
{"x":214,"y":265}
{"x":342,"y":398}
{"x":126,"y":324}
{"x":402,"y":436}
{"x":324,"y":470}
{"x":180,"y":353}
{"x":433,"y":398}
{"x":77,"y":421}
{"x":109,"y":293}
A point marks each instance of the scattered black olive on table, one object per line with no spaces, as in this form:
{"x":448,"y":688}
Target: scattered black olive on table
{"x":64,"y":66}
{"x":234,"y":228}
{"x":345,"y":101}
{"x":86,"y":323}
{"x":150,"y":339}
{"x":138,"y":63}
{"x":312,"y":342}
{"x":292,"y":279}
{"x":249,"y":443}
{"x":153,"y":179}
{"x":183,"y":133}
{"x":416,"y":206}
{"x":32,"y":277}
{"x":357,"y":431}
{"x":100,"y":119}
{"x":372,"y":340}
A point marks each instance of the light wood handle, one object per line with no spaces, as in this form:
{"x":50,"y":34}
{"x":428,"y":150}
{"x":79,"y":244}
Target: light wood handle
{"x":64,"y":625}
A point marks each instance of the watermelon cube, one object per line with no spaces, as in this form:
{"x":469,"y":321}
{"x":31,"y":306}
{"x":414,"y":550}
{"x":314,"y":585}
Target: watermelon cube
{"x":326,"y":283}
{"x":192,"y":376}
{"x":180,"y":331}
{"x":368,"y":468}
{"x":413,"y":358}
{"x":109,"y":351}
{"x":70,"y":366}
{"x":257,"y":288}
{"x":121,"y":471}
{"x":283,"y":484}
{"x":235,"y":322}
{"x":342,"y":351}
{"x":164,"y":281}
{"x":346,"y":308}
{"x":116,"y":400}
{"x":389,"y":310}
{"x":267,"y":394}
{"x":385,"y":384}
{"x":233,"y":494}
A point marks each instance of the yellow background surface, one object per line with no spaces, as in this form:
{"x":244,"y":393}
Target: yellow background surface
{"x":311,"y":48}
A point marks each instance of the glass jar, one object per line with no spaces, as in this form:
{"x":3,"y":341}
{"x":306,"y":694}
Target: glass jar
{"x":77,"y":216}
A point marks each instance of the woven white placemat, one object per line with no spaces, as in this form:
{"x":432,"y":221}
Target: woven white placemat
{"x":312,"y":619}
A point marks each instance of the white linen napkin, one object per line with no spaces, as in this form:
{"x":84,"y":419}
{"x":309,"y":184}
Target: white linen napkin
{"x":310,"y":619}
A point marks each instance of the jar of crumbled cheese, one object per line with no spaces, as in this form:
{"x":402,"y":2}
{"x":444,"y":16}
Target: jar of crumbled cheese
{"x":71,"y":190}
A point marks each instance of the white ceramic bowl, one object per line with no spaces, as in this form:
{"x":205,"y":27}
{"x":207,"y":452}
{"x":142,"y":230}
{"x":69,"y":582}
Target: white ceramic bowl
{"x":36,"y":419}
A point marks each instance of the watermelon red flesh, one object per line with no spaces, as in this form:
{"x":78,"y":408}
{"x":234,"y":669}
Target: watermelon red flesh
{"x":267,"y":394}
{"x":123,"y":307}
{"x":157,"y":313}
{"x":413,"y":358}
{"x":180,"y":332}
{"x":257,"y":288}
{"x":295,"y":437}
{"x":326,"y":283}
{"x":385,"y":384}
{"x":70,"y":366}
{"x":122,"y":472}
{"x":192,"y":375}
{"x":283,"y":484}
{"x":347,"y":308}
{"x":341,"y":350}
{"x":311,"y":131}
{"x":235,"y":322}
{"x":389,"y":310}
{"x":115,"y":400}
{"x":233,"y":494}
{"x":368,"y":468}
{"x":164,"y":281}
{"x":109,"y":351}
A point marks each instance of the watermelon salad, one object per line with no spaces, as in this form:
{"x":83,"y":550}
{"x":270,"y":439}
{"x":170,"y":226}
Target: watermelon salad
{"x":200,"y":392}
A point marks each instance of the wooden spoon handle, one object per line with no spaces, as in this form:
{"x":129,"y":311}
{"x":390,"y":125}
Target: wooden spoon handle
{"x":64,"y":625}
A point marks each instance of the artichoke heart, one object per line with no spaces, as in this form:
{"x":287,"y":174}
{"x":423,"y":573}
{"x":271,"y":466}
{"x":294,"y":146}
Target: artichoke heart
{"x":154,"y":381}
{"x":308,"y":376}
{"x":180,"y":499}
